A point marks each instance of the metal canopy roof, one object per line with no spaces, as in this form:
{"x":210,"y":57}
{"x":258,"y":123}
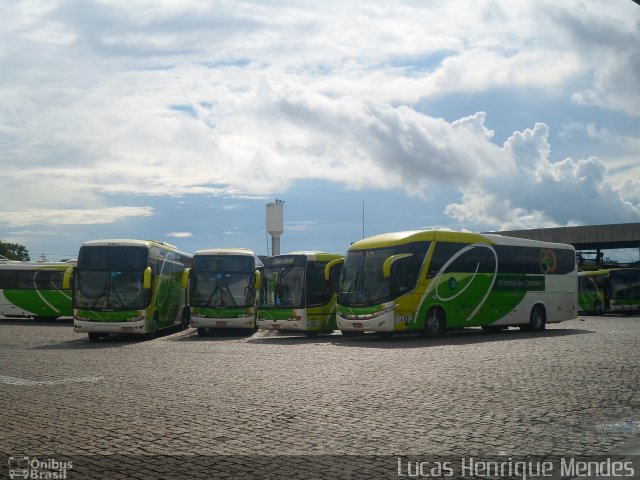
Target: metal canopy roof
{"x":591,"y":237}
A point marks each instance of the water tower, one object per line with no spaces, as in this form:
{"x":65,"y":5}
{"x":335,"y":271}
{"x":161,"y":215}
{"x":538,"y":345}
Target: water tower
{"x":275,"y":224}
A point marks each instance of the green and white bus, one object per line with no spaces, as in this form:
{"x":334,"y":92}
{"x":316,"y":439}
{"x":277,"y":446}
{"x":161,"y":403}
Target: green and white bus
{"x":129,"y":286}
{"x":613,"y":290}
{"x":223,"y":289}
{"x":34,"y":289}
{"x":298,"y":292}
{"x":430,"y":281}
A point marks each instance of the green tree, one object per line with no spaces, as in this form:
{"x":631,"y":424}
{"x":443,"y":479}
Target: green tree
{"x":14,"y":251}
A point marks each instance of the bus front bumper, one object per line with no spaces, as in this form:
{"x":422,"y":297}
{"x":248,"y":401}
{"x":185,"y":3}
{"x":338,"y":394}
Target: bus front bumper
{"x":284,"y":325}
{"x":210,"y":322}
{"x":383,"y":321}
{"x":83,"y":325}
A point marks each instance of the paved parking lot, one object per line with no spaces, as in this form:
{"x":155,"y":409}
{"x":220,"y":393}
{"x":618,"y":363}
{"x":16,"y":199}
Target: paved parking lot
{"x":572,"y":390}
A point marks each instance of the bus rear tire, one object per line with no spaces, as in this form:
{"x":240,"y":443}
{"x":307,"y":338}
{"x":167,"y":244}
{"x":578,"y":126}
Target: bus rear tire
{"x":537,"y":320}
{"x":434,"y":324}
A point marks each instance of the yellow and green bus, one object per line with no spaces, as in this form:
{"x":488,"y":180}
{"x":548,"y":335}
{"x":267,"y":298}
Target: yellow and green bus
{"x":223,"y":289}
{"x":129,"y":286}
{"x":612,"y":290}
{"x":34,"y":290}
{"x":298,"y":292}
{"x":431,"y":281}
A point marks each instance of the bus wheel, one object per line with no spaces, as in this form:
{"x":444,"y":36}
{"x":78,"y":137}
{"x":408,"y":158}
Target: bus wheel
{"x":186,"y":313}
{"x":154,"y":328}
{"x":597,"y":307}
{"x":201,"y":332}
{"x":538,"y":319}
{"x":434,"y":324}
{"x":94,"y":336}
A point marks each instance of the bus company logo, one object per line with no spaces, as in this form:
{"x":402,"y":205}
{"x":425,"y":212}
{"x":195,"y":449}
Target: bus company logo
{"x":24,"y":467}
{"x":548,"y":261}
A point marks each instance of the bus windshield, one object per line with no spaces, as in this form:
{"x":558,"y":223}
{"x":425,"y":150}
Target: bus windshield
{"x":219,"y":281}
{"x":283,"y":283}
{"x":363,"y":282}
{"x":625,"y":284}
{"x":110,"y":278}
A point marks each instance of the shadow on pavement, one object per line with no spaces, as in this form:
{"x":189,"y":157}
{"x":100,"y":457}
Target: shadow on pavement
{"x":215,"y":335}
{"x":37,"y":322}
{"x":413,"y":340}
{"x":114,"y":340}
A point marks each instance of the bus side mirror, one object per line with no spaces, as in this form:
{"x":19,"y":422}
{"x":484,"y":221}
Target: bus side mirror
{"x":66,"y":279}
{"x":329,"y":267}
{"x":386,"y":266}
{"x":184,"y":280}
{"x":146,"y":279}
{"x":257,"y":279}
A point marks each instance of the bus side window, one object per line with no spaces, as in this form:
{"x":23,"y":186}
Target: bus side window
{"x":8,"y":279}
{"x":442,"y":253}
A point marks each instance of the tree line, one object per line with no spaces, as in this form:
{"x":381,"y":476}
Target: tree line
{"x":13,"y":251}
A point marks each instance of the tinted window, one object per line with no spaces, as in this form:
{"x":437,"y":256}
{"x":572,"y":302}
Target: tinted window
{"x":119,"y":259}
{"x":511,"y":259}
{"x":318,"y":289}
{"x":223,"y":263}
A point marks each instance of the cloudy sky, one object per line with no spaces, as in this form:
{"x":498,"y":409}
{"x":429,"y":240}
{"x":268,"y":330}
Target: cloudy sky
{"x":179,"y":121}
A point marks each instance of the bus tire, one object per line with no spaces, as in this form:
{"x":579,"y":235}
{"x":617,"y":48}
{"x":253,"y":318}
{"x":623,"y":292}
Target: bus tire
{"x":94,"y":336}
{"x":154,"y":328}
{"x":597,"y":308}
{"x":434,"y":323}
{"x":186,"y":313}
{"x":201,"y":332}
{"x":537,"y":319}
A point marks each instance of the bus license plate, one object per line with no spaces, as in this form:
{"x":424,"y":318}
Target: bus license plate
{"x":221,"y":323}
{"x":357,"y":325}
{"x":126,"y":329}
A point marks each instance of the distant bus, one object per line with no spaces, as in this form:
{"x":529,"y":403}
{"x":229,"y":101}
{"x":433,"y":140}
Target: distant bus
{"x":298,"y":292}
{"x":129,"y":286}
{"x":430,"y":281}
{"x":34,"y":289}
{"x":223,"y":289}
{"x":614,"y":290}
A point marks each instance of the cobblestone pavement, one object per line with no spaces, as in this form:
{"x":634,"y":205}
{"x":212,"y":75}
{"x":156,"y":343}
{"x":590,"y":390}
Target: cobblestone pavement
{"x":572,"y":390}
